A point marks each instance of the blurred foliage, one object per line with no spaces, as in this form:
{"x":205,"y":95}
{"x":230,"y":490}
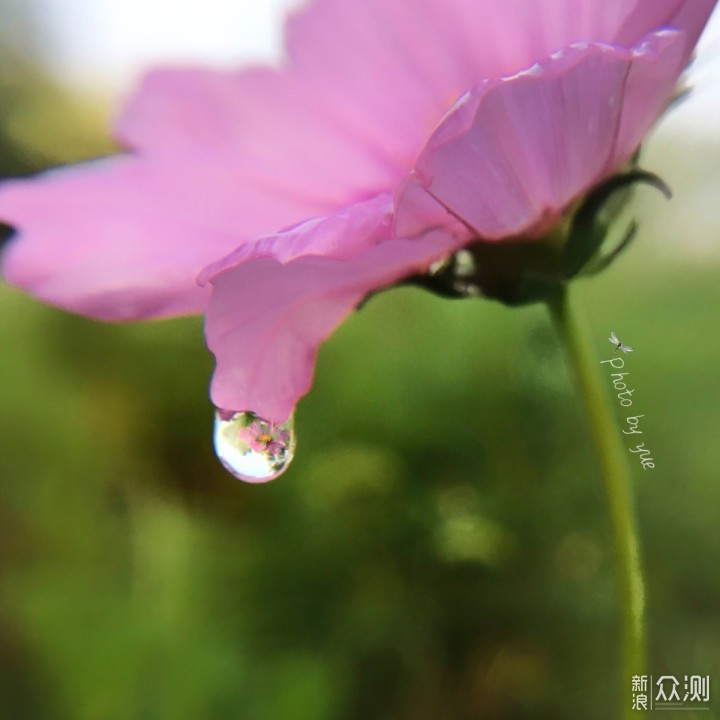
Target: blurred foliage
{"x":41,"y":124}
{"x":439,"y":549}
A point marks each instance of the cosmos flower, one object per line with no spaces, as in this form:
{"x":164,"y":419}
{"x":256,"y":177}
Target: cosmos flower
{"x":264,"y":437}
{"x":396,"y":133}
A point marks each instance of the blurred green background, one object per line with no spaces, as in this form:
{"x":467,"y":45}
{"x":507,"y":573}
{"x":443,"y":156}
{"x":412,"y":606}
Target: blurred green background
{"x":439,"y":548}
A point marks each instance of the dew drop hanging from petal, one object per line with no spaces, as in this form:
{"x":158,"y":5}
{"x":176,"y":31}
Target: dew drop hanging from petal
{"x":253,"y":449}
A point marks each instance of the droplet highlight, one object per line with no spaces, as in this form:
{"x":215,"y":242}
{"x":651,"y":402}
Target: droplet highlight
{"x":251,"y":448}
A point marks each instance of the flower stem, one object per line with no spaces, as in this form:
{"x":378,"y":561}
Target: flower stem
{"x":617,"y":488}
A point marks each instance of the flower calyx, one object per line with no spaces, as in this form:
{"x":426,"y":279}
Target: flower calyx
{"x":521,"y":271}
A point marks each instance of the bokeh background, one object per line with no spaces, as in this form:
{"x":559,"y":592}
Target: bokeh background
{"x":439,"y":549}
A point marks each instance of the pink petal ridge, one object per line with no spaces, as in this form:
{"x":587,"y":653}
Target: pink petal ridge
{"x":512,"y":154}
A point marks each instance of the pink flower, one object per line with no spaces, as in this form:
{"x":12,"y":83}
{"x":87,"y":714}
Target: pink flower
{"x":264,"y":437}
{"x":398,"y":132}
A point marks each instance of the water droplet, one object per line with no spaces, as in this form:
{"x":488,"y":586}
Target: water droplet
{"x":253,"y":449}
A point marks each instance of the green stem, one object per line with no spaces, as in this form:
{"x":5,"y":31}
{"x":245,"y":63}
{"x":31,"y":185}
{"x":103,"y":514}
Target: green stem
{"x":611,"y":454}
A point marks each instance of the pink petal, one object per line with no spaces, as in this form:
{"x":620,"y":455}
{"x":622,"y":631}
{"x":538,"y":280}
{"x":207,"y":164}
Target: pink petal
{"x":267,"y":319}
{"x":417,"y":211}
{"x":225,"y":157}
{"x":649,"y":85}
{"x":383,"y":61}
{"x":259,"y":124}
{"x":399,"y":64}
{"x":340,"y":236}
{"x":687,"y":15}
{"x":513,"y":154}
{"x":94,"y":241}
{"x":125,"y":239}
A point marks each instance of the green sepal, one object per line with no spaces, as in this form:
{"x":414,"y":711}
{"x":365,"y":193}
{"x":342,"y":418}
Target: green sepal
{"x":600,"y":263}
{"x":590,"y":225}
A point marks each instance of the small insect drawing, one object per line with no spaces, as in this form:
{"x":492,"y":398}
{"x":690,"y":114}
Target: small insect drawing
{"x":618,"y":344}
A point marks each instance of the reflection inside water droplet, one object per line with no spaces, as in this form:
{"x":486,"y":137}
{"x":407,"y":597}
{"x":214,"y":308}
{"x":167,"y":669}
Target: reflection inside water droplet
{"x":251,"y":448}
